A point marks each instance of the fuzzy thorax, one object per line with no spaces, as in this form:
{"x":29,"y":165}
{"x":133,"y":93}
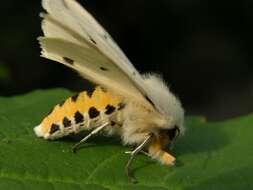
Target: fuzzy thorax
{"x":167,"y":104}
{"x":138,"y":122}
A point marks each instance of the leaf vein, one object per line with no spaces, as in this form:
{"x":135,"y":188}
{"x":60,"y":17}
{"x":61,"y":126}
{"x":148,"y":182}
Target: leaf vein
{"x":101,"y":165}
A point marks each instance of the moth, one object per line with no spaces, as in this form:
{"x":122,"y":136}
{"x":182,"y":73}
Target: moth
{"x":139,"y":108}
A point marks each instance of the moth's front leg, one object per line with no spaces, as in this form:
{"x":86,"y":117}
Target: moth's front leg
{"x":156,"y":152}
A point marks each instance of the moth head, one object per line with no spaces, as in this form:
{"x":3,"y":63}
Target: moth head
{"x":171,"y":134}
{"x":170,"y":127}
{"x":167,"y":105}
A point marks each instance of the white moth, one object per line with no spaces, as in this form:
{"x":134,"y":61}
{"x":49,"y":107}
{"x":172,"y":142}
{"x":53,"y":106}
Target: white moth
{"x":152,"y":116}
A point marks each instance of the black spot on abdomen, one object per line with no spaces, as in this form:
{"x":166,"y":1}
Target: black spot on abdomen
{"x":66,"y":122}
{"x":68,"y":60}
{"x":54,"y":128}
{"x":109,"y":109}
{"x":90,"y":91}
{"x":93,"y":112}
{"x":74,"y":98}
{"x":78,"y":117}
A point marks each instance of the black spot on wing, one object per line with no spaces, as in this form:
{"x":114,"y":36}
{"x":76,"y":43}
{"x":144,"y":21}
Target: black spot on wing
{"x":66,"y":122}
{"x":103,"y":89}
{"x":78,"y":117}
{"x":68,"y":60}
{"x":92,"y":40}
{"x":93,"y":112}
{"x":105,"y":36}
{"x":113,"y":123}
{"x":103,"y":69}
{"x":54,"y":128}
{"x":121,"y":106}
{"x":109,"y":109}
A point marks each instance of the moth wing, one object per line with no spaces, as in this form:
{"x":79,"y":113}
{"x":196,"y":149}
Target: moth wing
{"x":73,"y":17}
{"x":91,"y":64}
{"x":54,"y":29}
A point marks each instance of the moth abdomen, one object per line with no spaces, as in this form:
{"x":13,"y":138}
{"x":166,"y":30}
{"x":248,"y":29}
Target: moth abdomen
{"x":83,"y":111}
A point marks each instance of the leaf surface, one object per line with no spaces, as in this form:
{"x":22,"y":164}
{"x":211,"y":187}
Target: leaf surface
{"x":210,"y":155}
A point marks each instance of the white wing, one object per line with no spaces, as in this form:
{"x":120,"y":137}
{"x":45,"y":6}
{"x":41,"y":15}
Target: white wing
{"x":91,"y":64}
{"x":73,"y":37}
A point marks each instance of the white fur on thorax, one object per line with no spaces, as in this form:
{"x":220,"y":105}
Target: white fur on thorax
{"x":165,"y":101}
{"x":139,"y":121}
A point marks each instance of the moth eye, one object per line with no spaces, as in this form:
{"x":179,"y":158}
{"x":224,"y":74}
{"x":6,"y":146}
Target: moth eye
{"x":103,"y":69}
{"x":68,"y":60}
{"x":174,"y":132}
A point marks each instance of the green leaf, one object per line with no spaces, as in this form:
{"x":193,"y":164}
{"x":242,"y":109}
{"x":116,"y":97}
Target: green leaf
{"x":210,"y":155}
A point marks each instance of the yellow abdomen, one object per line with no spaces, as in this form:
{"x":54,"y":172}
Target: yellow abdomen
{"x":83,"y":111}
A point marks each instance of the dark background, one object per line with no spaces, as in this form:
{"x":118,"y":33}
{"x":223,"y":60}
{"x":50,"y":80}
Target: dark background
{"x":202,"y":48}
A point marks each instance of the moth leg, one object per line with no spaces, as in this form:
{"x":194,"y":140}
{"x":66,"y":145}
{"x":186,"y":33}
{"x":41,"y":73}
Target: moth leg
{"x":156,"y":152}
{"x":142,"y":151}
{"x":95,"y":131}
{"x":138,"y":149}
